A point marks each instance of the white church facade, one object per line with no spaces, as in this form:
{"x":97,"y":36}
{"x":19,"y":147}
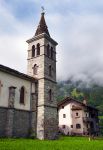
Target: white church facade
{"x":28,"y":101}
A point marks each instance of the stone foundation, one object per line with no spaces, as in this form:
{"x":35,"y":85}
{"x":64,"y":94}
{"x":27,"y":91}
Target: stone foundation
{"x":17,"y":123}
{"x":21,"y":125}
{"x":50,"y":123}
{"x":3,"y":119}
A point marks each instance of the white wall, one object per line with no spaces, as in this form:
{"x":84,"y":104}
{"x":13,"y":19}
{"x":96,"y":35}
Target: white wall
{"x":78,"y":120}
{"x":65,"y":121}
{"x":8,"y":80}
{"x":71,"y":119}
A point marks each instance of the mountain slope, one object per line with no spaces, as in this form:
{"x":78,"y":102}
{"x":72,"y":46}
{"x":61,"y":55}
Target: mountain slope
{"x":80,"y":90}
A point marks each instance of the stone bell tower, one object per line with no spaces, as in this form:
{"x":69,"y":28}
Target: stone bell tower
{"x":42,"y":65}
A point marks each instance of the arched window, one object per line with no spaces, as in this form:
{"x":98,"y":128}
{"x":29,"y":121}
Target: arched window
{"x":50,"y":95}
{"x":33,"y":51}
{"x":50,"y":70}
{"x":51,"y":52}
{"x":35,"y":69}
{"x":22,"y":94}
{"x":38,"y":49}
{"x":48,"y":50}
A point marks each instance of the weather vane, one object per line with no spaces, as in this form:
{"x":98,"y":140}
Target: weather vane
{"x":43,"y":10}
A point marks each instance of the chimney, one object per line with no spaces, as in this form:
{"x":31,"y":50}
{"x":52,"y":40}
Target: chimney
{"x":85,"y":101}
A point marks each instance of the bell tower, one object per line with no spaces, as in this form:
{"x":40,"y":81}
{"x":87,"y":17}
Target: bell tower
{"x":42,"y":65}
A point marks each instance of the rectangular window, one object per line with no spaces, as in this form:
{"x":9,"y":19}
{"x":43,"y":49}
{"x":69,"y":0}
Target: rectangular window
{"x":71,"y":126}
{"x":64,"y":115}
{"x":51,"y":52}
{"x":62,"y":107}
{"x":50,"y":70}
{"x":76,"y":113}
{"x":87,"y":125}
{"x":78,"y":126}
{"x":22,"y":95}
{"x":50,"y":95}
{"x":0,"y":86}
{"x":63,"y":126}
{"x":86,"y":115}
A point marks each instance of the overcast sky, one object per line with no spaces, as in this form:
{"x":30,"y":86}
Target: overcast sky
{"x":77,"y":26}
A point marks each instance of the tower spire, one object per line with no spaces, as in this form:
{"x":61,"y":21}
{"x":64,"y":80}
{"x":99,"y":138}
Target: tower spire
{"x":42,"y":65}
{"x":42,"y":27}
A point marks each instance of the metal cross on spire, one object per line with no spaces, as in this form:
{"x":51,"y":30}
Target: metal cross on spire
{"x":43,"y":10}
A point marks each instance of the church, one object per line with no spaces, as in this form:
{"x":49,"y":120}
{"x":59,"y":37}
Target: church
{"x":28,"y":103}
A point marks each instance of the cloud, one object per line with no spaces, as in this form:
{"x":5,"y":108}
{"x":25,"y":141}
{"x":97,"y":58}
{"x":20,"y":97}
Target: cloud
{"x":82,"y":47}
{"x":77,"y":26}
{"x":13,"y":52}
{"x":13,"y":34}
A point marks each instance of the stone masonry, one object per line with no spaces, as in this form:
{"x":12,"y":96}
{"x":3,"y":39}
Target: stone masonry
{"x":28,"y":104}
{"x":47,"y":120}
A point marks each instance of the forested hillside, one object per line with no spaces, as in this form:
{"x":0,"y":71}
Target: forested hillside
{"x":80,"y":90}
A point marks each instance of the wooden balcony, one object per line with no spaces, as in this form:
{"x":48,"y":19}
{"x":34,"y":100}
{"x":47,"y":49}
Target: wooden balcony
{"x":87,"y":119}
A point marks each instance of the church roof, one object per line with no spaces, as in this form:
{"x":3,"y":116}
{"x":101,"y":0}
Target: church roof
{"x":16,"y":73}
{"x":42,"y":27}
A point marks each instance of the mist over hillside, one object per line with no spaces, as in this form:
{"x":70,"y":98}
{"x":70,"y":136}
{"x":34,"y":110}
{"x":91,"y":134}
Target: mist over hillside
{"x":79,"y":89}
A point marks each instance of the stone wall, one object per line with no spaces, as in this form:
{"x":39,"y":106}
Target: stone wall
{"x":17,"y":123}
{"x":3,"y":114}
{"x":47,"y":120}
{"x":21,"y":125}
{"x":50,"y":123}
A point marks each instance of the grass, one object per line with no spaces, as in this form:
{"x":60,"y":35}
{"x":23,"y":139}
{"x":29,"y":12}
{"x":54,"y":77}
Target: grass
{"x":64,"y":143}
{"x":101,"y":117}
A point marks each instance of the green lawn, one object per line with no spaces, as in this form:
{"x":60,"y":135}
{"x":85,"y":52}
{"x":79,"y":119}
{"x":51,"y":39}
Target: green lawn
{"x":64,"y":143}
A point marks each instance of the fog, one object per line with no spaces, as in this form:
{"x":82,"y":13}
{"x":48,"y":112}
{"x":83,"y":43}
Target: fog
{"x":76,"y":26}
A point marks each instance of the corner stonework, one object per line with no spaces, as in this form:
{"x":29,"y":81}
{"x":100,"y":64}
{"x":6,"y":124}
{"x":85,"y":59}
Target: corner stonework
{"x":10,"y":112}
{"x":33,"y":121}
{"x":47,"y":120}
